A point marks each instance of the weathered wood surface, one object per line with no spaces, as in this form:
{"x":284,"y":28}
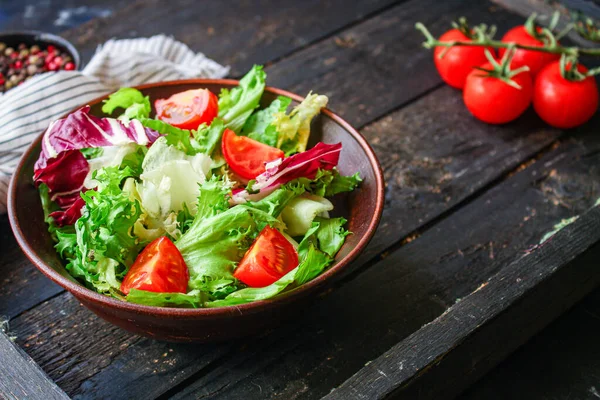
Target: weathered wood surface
{"x":437,"y":160}
{"x":416,"y":283}
{"x":448,"y":354}
{"x":398,"y":22}
{"x":54,"y":15}
{"x":21,"y":285}
{"x":21,"y":377}
{"x":560,"y":363}
{"x":238,"y":33}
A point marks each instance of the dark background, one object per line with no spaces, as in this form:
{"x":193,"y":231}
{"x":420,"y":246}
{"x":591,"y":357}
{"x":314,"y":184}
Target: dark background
{"x":562,"y":362}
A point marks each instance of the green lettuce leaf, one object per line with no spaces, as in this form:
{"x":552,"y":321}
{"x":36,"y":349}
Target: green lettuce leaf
{"x":236,"y":105}
{"x":259,"y":125}
{"x":103,"y":247}
{"x":328,"y":183}
{"x":294,"y":129}
{"x":134,"y":103}
{"x":92,"y":152}
{"x":203,"y":140}
{"x":331,"y":234}
{"x":212,"y":246}
{"x":312,"y":262}
{"x":193,"y":299}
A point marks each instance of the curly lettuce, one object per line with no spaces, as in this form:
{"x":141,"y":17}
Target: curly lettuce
{"x":236,"y":105}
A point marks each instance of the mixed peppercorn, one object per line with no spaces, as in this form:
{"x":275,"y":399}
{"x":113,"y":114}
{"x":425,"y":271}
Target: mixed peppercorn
{"x":19,"y":64}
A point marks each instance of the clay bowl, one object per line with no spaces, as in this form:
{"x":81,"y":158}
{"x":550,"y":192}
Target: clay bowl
{"x":362,"y":208}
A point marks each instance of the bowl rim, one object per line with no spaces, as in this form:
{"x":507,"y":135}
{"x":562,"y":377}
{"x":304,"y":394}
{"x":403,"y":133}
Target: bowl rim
{"x":48,"y":38}
{"x":83,"y":293}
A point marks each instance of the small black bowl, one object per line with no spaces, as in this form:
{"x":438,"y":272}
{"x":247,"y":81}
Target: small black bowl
{"x":42,"y":39}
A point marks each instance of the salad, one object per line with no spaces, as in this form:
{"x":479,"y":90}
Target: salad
{"x":213,"y":202}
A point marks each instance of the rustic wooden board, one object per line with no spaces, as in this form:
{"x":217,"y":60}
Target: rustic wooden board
{"x":413,"y":285}
{"x":399,"y":23}
{"x":241,"y":34}
{"x":145,"y":367}
{"x":447,"y":355}
{"x":21,"y":377}
{"x":54,"y":16}
{"x":418,"y":294}
{"x":21,"y":284}
{"x":559,"y":363}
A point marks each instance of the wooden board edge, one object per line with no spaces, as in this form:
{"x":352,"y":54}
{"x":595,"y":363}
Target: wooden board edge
{"x":474,"y":335}
{"x":21,"y":377}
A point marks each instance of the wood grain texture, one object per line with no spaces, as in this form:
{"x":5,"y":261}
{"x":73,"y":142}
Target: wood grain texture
{"x":395,"y":297}
{"x":447,"y":355}
{"x":384,"y":29}
{"x":326,"y":345}
{"x":380,"y":65}
{"x":54,"y":16}
{"x":22,"y":378}
{"x":559,"y":363}
{"x":21,"y":284}
{"x":238,"y":33}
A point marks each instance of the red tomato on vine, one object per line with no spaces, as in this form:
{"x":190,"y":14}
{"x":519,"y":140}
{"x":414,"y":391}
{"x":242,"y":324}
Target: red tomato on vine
{"x":565,"y":101}
{"x":535,"y":60}
{"x":455,"y":63}
{"x":496,"y":94}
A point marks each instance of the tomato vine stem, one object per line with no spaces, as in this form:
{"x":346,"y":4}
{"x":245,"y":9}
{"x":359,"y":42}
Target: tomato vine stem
{"x":483,"y":40}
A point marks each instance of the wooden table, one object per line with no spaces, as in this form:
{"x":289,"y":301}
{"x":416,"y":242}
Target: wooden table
{"x":452,"y":282}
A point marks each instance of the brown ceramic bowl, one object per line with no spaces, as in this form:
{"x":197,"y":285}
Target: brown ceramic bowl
{"x":362,"y":208}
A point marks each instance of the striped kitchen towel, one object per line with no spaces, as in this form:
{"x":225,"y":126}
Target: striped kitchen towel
{"x":26,"y":111}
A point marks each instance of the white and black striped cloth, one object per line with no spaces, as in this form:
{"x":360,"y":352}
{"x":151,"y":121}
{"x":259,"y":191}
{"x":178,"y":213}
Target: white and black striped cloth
{"x":27,"y":110}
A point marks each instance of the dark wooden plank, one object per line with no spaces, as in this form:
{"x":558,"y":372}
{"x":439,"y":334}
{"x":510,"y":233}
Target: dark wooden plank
{"x":428,"y":170}
{"x":54,"y":16}
{"x":447,"y":355}
{"x":374,"y":310}
{"x":427,"y":194}
{"x":21,"y":285}
{"x":21,"y":377}
{"x":240,"y":33}
{"x":380,"y":64}
{"x":559,"y":363}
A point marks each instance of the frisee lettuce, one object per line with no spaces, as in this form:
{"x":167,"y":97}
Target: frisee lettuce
{"x":236,"y":105}
{"x":259,"y":125}
{"x":132,"y":101}
{"x":193,"y":299}
{"x":102,"y":247}
{"x":294,"y":128}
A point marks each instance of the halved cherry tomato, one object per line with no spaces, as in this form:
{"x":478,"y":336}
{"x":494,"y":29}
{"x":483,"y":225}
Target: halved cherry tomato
{"x":158,"y":268}
{"x":270,"y":257}
{"x":535,"y":60}
{"x":189,"y":109}
{"x":245,"y":156}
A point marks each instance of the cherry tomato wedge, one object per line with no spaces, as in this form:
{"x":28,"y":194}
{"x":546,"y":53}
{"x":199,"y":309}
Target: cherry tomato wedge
{"x":189,"y":109}
{"x":270,"y":257}
{"x":158,"y":268}
{"x":247,"y":157}
{"x":563,"y":103}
